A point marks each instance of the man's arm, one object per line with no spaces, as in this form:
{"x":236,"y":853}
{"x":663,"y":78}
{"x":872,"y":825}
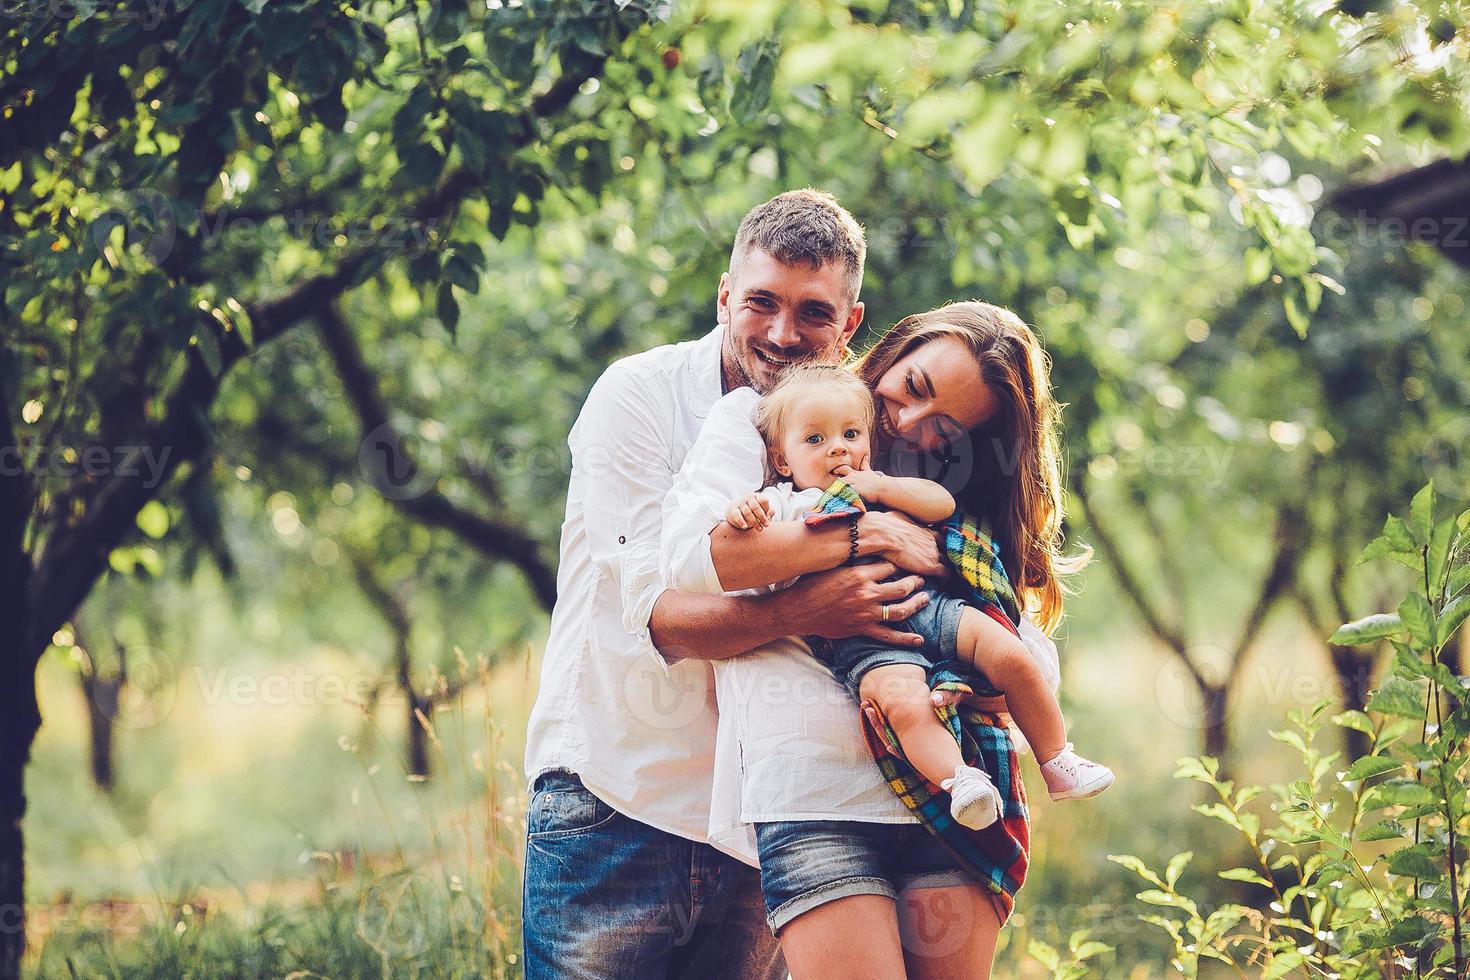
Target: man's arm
{"x":786,"y":549}
{"x":841,"y":602}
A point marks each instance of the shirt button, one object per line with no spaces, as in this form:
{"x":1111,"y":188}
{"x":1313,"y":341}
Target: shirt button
{"x":622,"y":540}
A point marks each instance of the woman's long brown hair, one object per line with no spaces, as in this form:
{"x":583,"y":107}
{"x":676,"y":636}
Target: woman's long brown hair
{"x":1015,"y":483}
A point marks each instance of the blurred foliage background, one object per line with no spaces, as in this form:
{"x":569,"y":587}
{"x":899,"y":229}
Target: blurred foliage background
{"x":301,"y":298}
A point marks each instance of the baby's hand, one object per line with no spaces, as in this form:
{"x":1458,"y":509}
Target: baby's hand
{"x":866,"y":482}
{"x":750,"y":511}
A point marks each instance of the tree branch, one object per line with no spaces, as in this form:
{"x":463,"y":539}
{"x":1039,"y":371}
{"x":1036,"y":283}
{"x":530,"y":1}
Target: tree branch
{"x":1279,"y":578}
{"x":494,"y":537}
{"x":74,"y":556}
{"x":1170,"y":634}
{"x":16,"y":489}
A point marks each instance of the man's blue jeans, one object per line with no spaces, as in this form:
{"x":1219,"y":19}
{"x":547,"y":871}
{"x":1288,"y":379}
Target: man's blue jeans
{"x":609,"y":898}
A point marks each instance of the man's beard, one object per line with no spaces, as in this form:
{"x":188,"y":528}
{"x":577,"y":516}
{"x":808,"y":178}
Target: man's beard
{"x":741,"y":376}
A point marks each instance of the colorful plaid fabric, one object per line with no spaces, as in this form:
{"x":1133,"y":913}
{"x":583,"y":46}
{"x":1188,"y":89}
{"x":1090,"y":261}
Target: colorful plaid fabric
{"x":972,"y":551}
{"x":997,"y":856}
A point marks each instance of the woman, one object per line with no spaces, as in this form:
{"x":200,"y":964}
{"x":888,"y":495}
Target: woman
{"x":854,"y":886}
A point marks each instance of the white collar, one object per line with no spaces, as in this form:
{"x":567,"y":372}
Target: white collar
{"x":705,"y":385}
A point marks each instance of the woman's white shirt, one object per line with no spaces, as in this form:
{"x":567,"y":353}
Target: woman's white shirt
{"x":789,"y":744}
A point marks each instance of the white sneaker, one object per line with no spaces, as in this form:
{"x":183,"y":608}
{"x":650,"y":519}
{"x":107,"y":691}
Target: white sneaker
{"x":973,"y":799}
{"x":1068,"y":776}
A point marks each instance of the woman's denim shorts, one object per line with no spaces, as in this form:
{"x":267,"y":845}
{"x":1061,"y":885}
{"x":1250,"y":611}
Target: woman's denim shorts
{"x":806,"y":863}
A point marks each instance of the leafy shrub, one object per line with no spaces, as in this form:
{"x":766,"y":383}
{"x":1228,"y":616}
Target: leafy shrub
{"x":1361,"y":866}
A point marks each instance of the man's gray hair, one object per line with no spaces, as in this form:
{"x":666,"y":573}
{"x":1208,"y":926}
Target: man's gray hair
{"x":805,"y":227}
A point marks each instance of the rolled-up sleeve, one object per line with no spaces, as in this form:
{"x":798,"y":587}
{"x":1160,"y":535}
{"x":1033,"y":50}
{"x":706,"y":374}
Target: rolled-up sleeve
{"x":621,"y":445}
{"x":1043,"y":650}
{"x":727,"y":460}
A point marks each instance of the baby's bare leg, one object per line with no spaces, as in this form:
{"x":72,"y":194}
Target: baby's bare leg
{"x":1004,"y":659}
{"x":903,"y":694}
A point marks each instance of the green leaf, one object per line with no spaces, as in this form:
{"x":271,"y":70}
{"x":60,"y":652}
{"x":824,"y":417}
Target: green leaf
{"x":1367,"y":629}
{"x":1295,"y":316}
{"x":153,"y":519}
{"x":1257,"y":266}
{"x":1369,"y":766}
{"x":208,"y":345}
{"x":1089,"y":949}
{"x":1453,"y":616}
{"x":1397,"y":792}
{"x":1332,"y":870}
{"x":1459,"y":579}
{"x":1245,"y":874}
{"x":1413,"y":863}
{"x":1383,"y":830}
{"x":755,"y":71}
{"x":1418,"y":617}
{"x":1155,"y":896}
{"x":1421,"y":514}
{"x":711,"y":80}
{"x":422,"y":164}
{"x":1201,"y":768}
{"x":408,"y":120}
{"x":448,"y":309}
{"x":462,"y":273}
{"x":1355,"y":720}
{"x":1137,"y":866}
{"x":1282,"y":964}
{"x":1176,"y":866}
{"x":1440,"y":541}
{"x":1398,"y":534}
{"x":1044,"y":954}
{"x":1398,"y":697}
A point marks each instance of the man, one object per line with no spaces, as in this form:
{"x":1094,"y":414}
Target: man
{"x":619,"y":881}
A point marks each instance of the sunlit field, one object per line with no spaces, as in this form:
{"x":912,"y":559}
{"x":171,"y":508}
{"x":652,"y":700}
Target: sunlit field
{"x":251,"y":819}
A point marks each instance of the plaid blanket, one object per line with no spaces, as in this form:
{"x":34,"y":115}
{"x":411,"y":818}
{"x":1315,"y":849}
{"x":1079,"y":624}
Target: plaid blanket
{"x":997,"y":856}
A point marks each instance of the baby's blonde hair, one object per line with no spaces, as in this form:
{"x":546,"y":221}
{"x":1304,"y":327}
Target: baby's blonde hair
{"x":772,"y":415}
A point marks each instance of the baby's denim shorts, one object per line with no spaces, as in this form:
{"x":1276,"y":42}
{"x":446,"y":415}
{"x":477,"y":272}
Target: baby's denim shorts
{"x":807,"y":863}
{"x":938,"y":623}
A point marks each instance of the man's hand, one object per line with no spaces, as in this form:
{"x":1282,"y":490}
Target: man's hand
{"x":898,"y":539}
{"x":850,"y":601}
{"x":750,"y":511}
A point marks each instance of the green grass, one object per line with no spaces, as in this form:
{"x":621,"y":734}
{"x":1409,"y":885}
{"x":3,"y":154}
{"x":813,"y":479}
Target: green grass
{"x":255,"y":839}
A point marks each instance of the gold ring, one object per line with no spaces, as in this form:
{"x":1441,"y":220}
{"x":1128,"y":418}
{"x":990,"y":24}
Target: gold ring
{"x":885,"y":612}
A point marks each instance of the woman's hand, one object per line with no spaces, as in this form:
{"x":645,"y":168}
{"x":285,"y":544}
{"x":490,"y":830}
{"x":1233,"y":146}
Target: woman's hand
{"x":750,"y":511}
{"x":897,"y":538}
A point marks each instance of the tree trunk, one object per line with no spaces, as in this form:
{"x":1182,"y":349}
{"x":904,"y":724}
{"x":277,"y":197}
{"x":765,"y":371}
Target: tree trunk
{"x":418,"y":745}
{"x":1354,"y":681}
{"x":1217,"y":723}
{"x":103,"y":694}
{"x":20,"y":718}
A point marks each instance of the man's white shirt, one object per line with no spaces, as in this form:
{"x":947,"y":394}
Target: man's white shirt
{"x":638,"y":728}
